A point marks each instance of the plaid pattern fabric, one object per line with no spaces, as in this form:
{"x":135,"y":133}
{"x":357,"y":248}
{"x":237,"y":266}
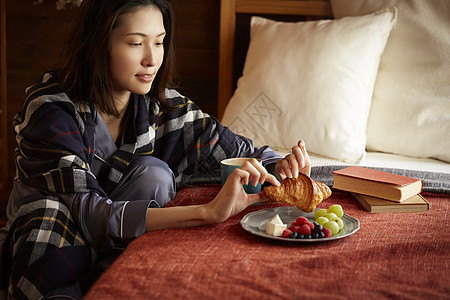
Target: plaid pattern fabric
{"x":45,"y":248}
{"x":56,"y":140}
{"x":190,"y":141}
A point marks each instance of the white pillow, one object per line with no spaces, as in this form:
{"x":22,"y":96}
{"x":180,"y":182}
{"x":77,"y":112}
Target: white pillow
{"x":310,"y":80}
{"x":410,"y":113}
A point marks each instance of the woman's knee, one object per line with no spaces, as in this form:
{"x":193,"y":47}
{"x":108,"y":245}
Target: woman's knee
{"x":153,"y":171}
{"x":149,"y":178}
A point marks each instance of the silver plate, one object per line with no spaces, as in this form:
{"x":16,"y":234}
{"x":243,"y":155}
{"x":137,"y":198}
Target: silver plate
{"x":255,"y":223}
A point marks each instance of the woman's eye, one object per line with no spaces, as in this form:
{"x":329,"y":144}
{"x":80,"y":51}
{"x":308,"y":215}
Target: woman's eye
{"x":135,"y":44}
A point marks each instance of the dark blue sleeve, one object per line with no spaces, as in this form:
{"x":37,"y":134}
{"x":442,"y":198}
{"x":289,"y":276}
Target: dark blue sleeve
{"x":245,"y":148}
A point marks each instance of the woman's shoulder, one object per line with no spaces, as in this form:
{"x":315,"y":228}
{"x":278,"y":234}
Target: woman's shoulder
{"x":46,"y":94}
{"x":46,"y":84}
{"x":47,"y":90}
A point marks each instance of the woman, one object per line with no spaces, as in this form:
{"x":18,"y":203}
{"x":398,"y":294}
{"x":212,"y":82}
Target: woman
{"x":103,"y":142}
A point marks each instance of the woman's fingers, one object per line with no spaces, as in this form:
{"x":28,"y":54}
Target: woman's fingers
{"x":304,"y":153}
{"x":306,"y":161}
{"x":283,"y":168}
{"x":251,"y":167}
{"x":300,"y":162}
{"x":257,"y":173}
{"x":296,"y":162}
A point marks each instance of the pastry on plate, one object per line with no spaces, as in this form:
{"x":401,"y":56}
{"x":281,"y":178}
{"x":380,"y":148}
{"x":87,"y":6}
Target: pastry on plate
{"x":302,"y":192}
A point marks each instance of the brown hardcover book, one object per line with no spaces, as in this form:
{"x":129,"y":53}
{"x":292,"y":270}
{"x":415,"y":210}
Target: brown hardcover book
{"x":376,"y":183}
{"x":416,"y":203}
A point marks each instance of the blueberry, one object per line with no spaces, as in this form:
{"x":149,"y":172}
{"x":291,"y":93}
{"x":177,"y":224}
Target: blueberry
{"x":318,"y":228}
{"x":308,"y":237}
{"x":301,"y":236}
{"x":315,"y":235}
{"x":294,"y":235}
{"x":321,"y":234}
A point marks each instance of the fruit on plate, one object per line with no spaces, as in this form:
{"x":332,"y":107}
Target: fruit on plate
{"x":320,"y":213}
{"x":326,"y":224}
{"x":337,"y":210}
{"x":322,"y":220}
{"x":331,"y":218}
{"x":327,"y":232}
{"x":333,"y":226}
{"x":340,"y":223}
{"x":307,"y":230}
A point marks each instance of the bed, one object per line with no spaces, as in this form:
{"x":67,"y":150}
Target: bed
{"x":390,"y":255}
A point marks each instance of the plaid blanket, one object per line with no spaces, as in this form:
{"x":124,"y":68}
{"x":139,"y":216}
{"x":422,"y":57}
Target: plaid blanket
{"x":45,"y":248}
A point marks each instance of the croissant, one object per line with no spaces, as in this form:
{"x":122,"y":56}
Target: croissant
{"x":302,"y":192}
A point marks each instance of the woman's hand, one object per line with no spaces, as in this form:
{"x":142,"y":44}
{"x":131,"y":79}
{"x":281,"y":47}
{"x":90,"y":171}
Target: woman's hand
{"x":297,"y":161}
{"x":232,"y":199}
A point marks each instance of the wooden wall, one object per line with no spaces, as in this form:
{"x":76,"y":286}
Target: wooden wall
{"x":35,"y":34}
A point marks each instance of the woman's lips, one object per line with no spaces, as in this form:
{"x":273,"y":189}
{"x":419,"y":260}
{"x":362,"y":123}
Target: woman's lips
{"x":147,"y":78}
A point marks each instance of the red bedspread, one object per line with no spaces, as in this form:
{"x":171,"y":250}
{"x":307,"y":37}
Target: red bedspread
{"x":396,"y":255}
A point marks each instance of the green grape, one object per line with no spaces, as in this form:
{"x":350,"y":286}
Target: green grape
{"x":336,"y":209}
{"x":340,"y":223}
{"x":322,"y":220}
{"x":333,"y":226}
{"x":331,"y":216}
{"x":320,"y":213}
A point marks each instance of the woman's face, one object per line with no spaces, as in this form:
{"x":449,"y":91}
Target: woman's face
{"x":136,"y":51}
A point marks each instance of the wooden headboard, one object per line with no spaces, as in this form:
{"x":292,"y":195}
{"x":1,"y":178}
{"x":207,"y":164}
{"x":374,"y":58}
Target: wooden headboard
{"x":229,"y":10}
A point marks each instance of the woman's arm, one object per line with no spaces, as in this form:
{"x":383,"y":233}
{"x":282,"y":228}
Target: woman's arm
{"x":231,"y":200}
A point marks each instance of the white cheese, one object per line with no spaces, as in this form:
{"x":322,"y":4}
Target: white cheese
{"x":275,"y":226}
{"x":276,"y":220}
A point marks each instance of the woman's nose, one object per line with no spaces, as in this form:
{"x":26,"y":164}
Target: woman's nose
{"x":149,"y":58}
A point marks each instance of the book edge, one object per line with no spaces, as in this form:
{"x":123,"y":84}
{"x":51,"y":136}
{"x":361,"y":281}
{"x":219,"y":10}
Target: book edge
{"x":394,"y":207}
{"x":373,"y":175}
